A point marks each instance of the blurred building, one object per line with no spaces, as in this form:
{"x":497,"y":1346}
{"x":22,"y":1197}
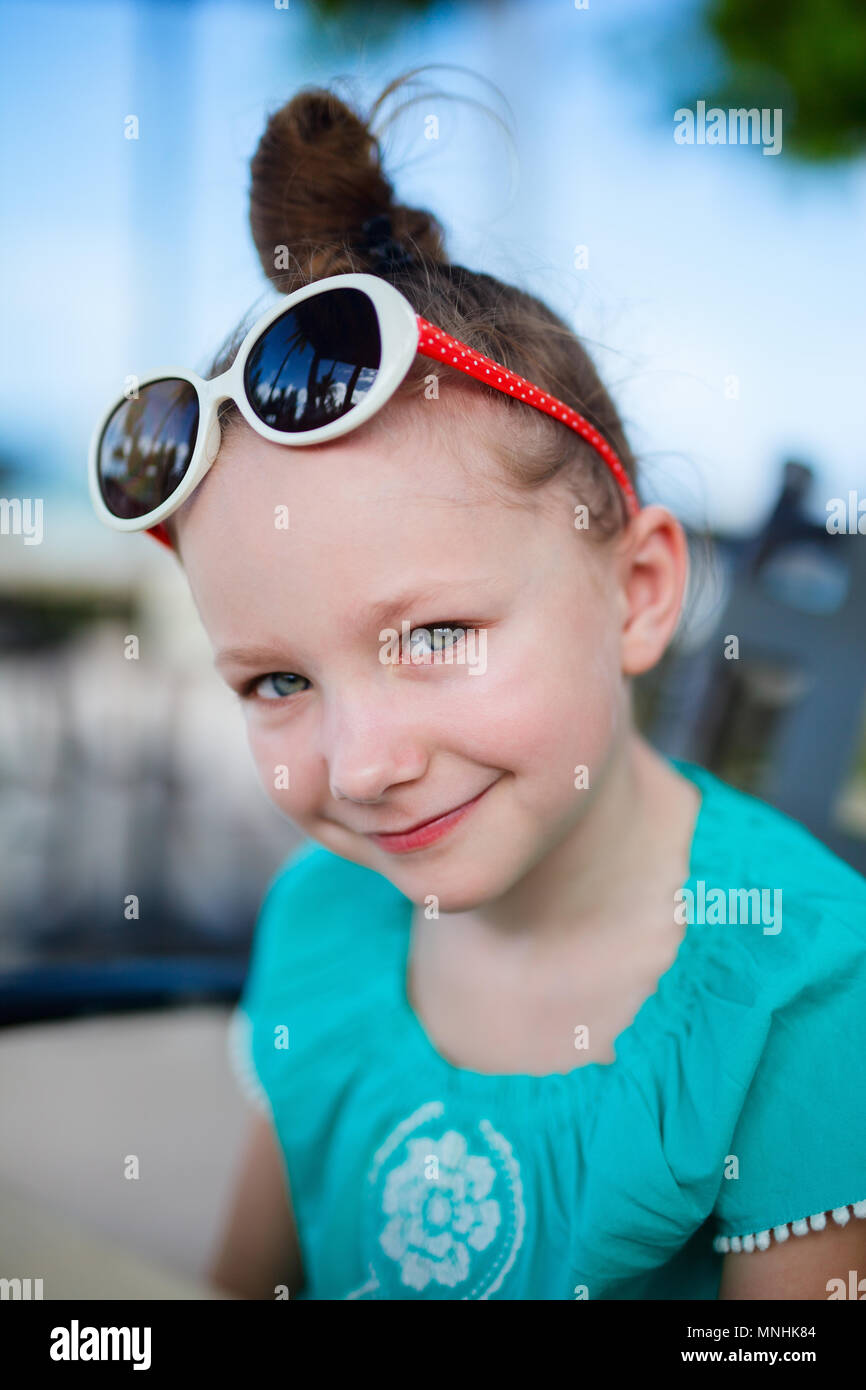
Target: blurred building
{"x":120,"y":779}
{"x":784,"y":718}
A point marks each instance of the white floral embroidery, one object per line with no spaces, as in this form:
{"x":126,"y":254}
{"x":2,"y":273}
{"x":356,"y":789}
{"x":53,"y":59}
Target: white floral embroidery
{"x":435,"y":1224}
{"x":444,"y":1210}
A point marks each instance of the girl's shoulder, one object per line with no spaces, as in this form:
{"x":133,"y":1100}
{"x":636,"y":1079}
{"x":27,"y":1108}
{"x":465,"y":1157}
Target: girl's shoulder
{"x":314,"y":879}
{"x":323,"y":916}
{"x":778,"y":955}
{"x":317,"y":972}
{"x":752,"y":863}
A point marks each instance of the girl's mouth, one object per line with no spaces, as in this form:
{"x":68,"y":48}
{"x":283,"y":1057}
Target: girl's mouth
{"x":420,"y":836}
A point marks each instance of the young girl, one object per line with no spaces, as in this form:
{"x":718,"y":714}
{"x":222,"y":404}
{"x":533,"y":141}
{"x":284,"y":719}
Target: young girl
{"x":534,"y":1012}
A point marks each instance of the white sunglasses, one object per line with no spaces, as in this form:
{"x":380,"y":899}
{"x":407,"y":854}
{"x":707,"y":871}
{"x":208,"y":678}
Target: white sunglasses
{"x":317,"y":364}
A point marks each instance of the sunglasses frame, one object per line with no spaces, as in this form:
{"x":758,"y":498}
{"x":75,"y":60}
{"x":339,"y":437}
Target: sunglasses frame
{"x":402,"y":332}
{"x":398,"y":332}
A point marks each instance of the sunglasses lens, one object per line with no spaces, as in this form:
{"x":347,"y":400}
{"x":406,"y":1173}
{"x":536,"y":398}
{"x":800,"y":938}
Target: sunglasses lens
{"x":315,"y":362}
{"x":146,"y":447}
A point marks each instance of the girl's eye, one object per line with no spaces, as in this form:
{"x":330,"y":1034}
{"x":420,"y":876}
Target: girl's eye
{"x":433,"y":641}
{"x":283,"y":681}
{"x":425,"y":642}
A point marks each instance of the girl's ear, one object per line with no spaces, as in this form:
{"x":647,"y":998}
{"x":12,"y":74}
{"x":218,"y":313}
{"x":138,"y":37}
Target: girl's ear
{"x":655,"y":564}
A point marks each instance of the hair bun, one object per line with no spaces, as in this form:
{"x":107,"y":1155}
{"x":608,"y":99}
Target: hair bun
{"x":320,"y":203}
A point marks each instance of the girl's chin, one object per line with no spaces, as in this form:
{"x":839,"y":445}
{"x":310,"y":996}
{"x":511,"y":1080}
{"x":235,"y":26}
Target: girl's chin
{"x":455,"y":888}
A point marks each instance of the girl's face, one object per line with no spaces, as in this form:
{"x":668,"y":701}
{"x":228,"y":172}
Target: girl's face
{"x":388,"y":529}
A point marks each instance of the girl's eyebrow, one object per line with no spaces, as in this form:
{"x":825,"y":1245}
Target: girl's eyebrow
{"x":400,"y":605}
{"x":246,"y":656}
{"x":397,"y":608}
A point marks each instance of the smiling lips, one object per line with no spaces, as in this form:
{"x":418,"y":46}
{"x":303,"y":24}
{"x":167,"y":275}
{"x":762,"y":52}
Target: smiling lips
{"x":419,"y":836}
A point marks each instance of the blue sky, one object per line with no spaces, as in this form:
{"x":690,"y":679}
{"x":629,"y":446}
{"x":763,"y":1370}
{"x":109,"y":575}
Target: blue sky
{"x":705,"y":262}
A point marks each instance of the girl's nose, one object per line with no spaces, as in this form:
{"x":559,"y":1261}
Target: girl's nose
{"x":368,"y":751}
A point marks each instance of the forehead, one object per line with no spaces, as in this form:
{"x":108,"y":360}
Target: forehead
{"x":320,"y":531}
{"x":418,"y":458}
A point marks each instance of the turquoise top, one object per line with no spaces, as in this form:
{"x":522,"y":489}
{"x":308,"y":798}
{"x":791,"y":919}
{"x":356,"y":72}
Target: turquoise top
{"x":736,"y":1102}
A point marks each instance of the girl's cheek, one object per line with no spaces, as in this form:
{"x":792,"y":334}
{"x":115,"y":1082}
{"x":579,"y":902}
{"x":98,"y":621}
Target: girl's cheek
{"x":518,"y":714}
{"x":280,"y":768}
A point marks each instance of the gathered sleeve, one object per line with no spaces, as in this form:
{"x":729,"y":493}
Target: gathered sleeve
{"x":797,"y":1159}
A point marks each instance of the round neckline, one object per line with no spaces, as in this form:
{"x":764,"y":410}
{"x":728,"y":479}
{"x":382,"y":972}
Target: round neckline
{"x":626,"y":1041}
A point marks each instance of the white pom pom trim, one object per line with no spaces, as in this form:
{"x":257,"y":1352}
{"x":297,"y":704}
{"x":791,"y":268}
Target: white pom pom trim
{"x":761,"y":1240}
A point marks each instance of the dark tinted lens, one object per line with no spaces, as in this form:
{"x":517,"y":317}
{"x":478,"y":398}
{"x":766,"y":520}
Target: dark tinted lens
{"x":314,"y":362}
{"x":146,"y":447}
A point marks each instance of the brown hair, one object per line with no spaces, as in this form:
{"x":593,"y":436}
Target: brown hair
{"x":316,"y":178}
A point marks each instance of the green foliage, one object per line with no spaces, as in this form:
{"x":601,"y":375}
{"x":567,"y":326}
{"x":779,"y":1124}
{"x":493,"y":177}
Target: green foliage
{"x":808,"y":58}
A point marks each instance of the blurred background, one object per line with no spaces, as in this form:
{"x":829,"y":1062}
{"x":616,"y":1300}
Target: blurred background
{"x":721,"y":291}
